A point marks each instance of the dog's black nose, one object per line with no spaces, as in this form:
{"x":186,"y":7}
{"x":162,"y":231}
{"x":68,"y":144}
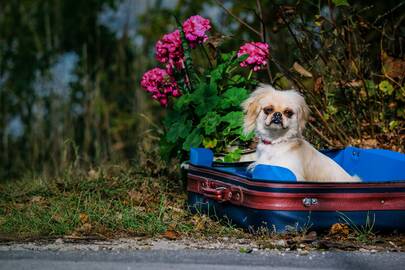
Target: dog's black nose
{"x":277,"y":118}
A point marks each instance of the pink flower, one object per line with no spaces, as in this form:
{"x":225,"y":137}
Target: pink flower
{"x":160,"y":84}
{"x":169,"y":51}
{"x":258,"y":53}
{"x":195,"y":28}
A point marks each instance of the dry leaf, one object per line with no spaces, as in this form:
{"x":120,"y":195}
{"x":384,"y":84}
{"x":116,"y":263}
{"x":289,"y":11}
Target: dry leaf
{"x":37,"y":199}
{"x":84,"y":218}
{"x":370,"y":143}
{"x":93,"y":174}
{"x":392,"y":67}
{"x":56,"y":217}
{"x":200,"y":222}
{"x":340,"y":229}
{"x":318,"y":86}
{"x":301,"y":70}
{"x":171,"y":235}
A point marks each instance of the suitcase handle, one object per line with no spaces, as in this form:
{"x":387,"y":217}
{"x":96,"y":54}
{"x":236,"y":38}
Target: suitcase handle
{"x":221,"y":194}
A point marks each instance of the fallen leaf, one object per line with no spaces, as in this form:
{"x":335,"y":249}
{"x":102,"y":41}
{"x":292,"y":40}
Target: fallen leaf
{"x":372,"y":143}
{"x":392,"y":67}
{"x":93,"y":174}
{"x":56,"y":217}
{"x":84,"y":218}
{"x":171,"y":235}
{"x":301,"y":70}
{"x":340,"y":229}
{"x":37,"y":199}
{"x":199,"y":222}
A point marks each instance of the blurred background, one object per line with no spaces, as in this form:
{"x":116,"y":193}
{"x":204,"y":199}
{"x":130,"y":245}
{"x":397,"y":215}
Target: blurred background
{"x":70,"y":72}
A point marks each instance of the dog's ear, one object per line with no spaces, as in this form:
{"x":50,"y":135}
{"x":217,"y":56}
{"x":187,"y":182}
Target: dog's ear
{"x":251,"y":108}
{"x":303,"y":114}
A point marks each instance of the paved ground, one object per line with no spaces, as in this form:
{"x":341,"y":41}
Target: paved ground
{"x":196,"y":260}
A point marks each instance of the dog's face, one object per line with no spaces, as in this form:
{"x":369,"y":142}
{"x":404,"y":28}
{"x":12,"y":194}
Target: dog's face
{"x":275,"y":113}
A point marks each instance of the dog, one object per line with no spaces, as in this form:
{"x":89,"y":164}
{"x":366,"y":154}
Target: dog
{"x":278,"y":118}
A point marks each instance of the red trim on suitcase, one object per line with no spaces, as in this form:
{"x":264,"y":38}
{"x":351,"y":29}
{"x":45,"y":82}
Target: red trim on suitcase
{"x":225,"y":192}
{"x":295,"y":185}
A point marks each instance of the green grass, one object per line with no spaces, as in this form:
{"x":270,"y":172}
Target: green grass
{"x":118,"y":201}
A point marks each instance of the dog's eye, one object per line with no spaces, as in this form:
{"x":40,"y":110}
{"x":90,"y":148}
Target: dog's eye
{"x":268,"y":110}
{"x":288,"y":113}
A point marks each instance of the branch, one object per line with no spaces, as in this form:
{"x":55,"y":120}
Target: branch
{"x":238,"y":19}
{"x":263,"y":34}
{"x":317,"y":131}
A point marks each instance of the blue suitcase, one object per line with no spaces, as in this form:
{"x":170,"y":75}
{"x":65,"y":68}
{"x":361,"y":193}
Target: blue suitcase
{"x":271,"y":197}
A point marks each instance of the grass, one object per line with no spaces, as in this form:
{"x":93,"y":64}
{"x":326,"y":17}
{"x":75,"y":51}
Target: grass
{"x":115,"y":201}
{"x":118,"y":201}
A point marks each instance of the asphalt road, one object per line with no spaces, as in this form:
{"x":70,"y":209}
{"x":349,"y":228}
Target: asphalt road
{"x":196,"y":260}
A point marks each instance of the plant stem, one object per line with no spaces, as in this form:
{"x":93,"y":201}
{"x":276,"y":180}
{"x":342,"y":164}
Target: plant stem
{"x":238,"y":19}
{"x":263,"y":34}
{"x":250,"y":74}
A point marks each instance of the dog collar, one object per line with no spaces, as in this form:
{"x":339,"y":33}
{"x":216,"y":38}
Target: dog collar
{"x":268,"y":142}
{"x":265,"y":141}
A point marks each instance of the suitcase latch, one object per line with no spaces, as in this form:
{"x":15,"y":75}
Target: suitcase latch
{"x":221,"y":193}
{"x":307,"y":202}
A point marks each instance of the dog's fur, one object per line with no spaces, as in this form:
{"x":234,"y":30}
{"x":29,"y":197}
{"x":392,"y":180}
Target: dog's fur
{"x":280,"y":140}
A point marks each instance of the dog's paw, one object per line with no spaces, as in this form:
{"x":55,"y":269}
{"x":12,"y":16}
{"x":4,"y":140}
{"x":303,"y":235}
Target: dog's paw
{"x":356,"y":178}
{"x":251,"y":167}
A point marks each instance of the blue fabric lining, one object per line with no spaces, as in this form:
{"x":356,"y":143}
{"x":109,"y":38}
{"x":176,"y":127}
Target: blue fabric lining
{"x":371,"y":165}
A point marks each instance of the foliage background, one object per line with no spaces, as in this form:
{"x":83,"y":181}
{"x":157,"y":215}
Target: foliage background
{"x":70,"y":71}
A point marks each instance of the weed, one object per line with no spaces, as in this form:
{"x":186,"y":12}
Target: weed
{"x":362,"y":233}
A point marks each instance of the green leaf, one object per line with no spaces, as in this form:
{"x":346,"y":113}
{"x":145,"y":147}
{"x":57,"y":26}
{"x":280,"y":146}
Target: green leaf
{"x":331,"y":109}
{"x":246,"y":137}
{"x":370,"y":87}
{"x":393,"y":124}
{"x":194,"y":139}
{"x":179,"y":130}
{"x":209,"y":143}
{"x":235,"y":119}
{"x":233,"y":156}
{"x":242,"y":58}
{"x":238,"y":79}
{"x":207,"y":105}
{"x":210,"y":122}
{"x":226,"y":56}
{"x":171,"y":117}
{"x":339,"y":3}
{"x":234,"y":97}
{"x":386,"y":87}
{"x":182,"y":102}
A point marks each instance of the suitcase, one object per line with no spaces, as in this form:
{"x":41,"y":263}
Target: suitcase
{"x":270,"y":197}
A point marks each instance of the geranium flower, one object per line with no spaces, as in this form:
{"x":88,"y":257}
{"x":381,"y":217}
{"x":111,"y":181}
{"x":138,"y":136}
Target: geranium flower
{"x":160,"y":84}
{"x":258,"y":53}
{"x":169,"y":51}
{"x":195,"y":29}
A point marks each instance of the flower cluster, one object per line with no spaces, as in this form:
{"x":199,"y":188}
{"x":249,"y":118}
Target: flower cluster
{"x":169,"y":50}
{"x":257,"y":52}
{"x":195,"y":29}
{"x":160,"y":84}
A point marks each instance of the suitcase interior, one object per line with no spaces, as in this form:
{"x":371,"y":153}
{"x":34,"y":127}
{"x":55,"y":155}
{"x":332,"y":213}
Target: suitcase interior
{"x":382,"y":173}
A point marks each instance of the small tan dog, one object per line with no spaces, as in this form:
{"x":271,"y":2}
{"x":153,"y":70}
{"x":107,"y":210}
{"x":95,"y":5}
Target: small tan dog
{"x":278,"y":118}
